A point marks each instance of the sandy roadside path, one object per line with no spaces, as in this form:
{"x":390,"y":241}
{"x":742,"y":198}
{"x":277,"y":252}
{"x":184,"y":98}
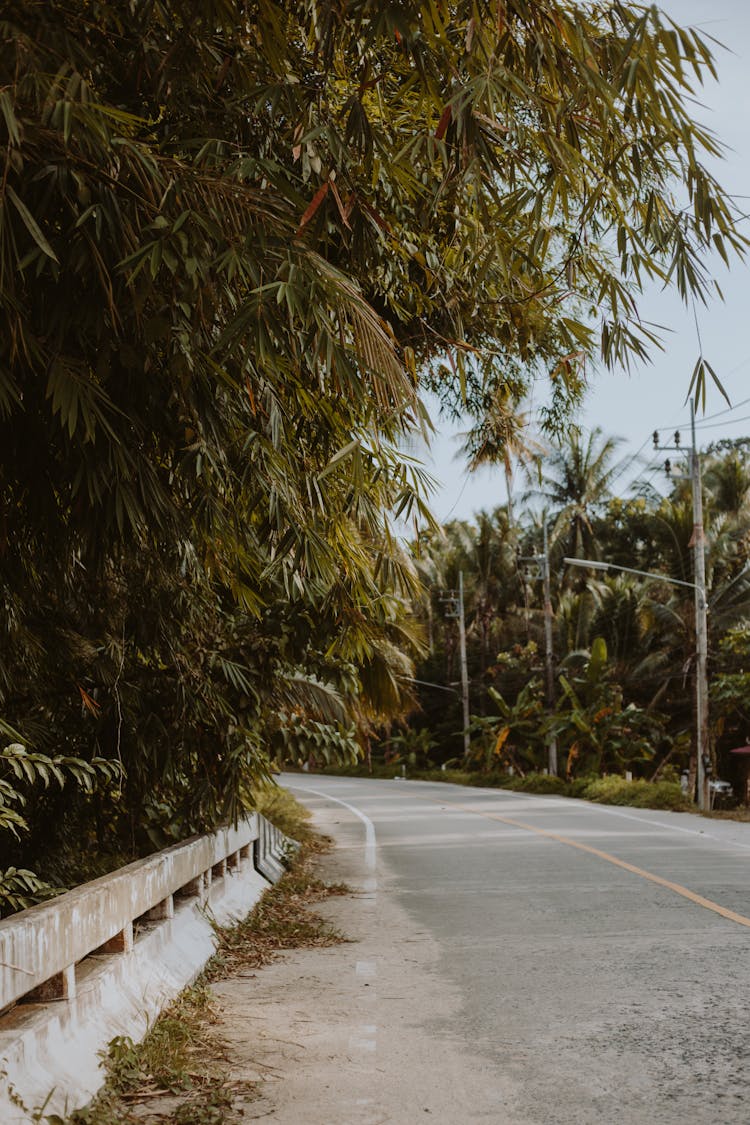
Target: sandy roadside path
{"x":358,"y":1033}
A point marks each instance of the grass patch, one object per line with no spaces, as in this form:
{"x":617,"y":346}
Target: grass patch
{"x":180,"y":1073}
{"x":742,"y":813}
{"x":280,"y":807}
{"x":283,"y":919}
{"x":605,"y":790}
{"x":638,"y":794}
{"x":379,"y":770}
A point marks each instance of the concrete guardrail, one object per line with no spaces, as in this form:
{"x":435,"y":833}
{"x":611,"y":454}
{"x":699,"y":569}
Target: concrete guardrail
{"x":103,"y":959}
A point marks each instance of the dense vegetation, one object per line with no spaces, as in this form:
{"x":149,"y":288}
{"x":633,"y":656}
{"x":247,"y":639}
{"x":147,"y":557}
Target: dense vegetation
{"x":624,"y":646}
{"x":236,"y":238}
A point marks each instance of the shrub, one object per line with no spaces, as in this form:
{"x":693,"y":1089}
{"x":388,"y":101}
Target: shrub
{"x":637,"y":794}
{"x":542,"y":783}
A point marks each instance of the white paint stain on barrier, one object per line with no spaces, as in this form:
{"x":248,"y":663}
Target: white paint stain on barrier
{"x":366,"y":969}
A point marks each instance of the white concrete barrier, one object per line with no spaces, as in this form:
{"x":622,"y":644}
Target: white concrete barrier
{"x":269,"y":850}
{"x":105,"y":958}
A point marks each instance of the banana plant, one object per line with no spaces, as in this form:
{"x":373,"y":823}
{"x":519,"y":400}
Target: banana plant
{"x":601,"y":734}
{"x":515,"y":737}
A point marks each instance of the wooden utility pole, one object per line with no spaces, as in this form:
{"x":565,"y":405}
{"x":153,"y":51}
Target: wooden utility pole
{"x":454,"y":610}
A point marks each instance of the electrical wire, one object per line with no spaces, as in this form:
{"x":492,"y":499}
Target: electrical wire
{"x":630,"y":461}
{"x":698,"y":425}
{"x":718,"y":425}
{"x":701,"y":424}
{"x":729,"y":409}
{"x":457,"y":501}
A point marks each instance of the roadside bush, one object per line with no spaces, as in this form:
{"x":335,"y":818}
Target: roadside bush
{"x":637,"y":794}
{"x":280,"y":807}
{"x":538,"y":783}
{"x":610,"y":790}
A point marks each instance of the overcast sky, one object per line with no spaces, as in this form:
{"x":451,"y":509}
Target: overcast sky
{"x":654,"y":397}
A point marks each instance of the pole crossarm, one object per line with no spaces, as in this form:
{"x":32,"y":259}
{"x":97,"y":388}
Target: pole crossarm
{"x":596,"y":564}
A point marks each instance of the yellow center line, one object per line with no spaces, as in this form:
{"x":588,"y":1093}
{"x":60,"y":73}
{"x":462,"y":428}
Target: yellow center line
{"x":678,"y":889}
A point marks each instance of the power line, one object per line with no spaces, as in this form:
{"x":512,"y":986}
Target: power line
{"x":718,"y":425}
{"x":699,"y":426}
{"x":457,"y":501}
{"x":624,"y":467}
{"x":727,"y":410}
{"x":675,"y":425}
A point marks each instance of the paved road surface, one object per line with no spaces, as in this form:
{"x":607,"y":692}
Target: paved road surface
{"x":529,"y":961}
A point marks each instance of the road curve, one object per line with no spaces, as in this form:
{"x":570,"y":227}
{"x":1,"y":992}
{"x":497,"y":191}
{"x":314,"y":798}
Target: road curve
{"x":593,"y":962}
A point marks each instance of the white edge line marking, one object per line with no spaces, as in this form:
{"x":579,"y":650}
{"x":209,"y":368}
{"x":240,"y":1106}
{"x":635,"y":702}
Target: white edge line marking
{"x":592,"y":806}
{"x":589,"y":806}
{"x":675,"y":828}
{"x":370,"y":841}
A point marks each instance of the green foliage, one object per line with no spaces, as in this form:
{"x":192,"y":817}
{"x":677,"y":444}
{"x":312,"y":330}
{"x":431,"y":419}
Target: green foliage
{"x":234,"y":242}
{"x":623,"y":647}
{"x":412,"y":746}
{"x":20,"y":888}
{"x":537,"y":783}
{"x":729,"y":693}
{"x":516,"y":737}
{"x":301,"y":740}
{"x":599,"y":733}
{"x":20,"y":768}
{"x":21,"y":773}
{"x":574,"y":481}
{"x":198,"y":412}
{"x":638,"y":794}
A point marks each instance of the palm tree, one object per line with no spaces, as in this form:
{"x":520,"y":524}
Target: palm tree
{"x":726,"y":479}
{"x":638,"y":632}
{"x":575,"y":481}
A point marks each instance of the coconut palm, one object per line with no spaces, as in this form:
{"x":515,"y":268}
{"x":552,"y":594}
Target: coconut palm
{"x":575,"y":481}
{"x":726,"y":479}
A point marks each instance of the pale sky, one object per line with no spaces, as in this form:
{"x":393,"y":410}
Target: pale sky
{"x":654,"y":397}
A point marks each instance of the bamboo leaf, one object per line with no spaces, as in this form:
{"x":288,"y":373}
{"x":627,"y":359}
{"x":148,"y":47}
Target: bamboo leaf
{"x":315,"y":203}
{"x":31,"y":225}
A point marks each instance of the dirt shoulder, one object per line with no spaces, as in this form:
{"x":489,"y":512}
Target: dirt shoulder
{"x":356,"y":1033}
{"x":323,"y":1007}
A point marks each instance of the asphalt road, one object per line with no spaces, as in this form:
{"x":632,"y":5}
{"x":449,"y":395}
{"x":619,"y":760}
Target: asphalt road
{"x":533,"y":961}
